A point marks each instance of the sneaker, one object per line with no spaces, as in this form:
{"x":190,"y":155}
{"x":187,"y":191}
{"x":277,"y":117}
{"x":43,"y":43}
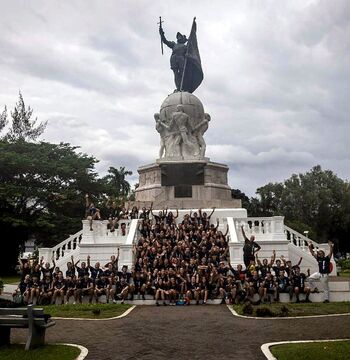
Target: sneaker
{"x":315,"y":291}
{"x":157,"y":303}
{"x":326,"y":302}
{"x":114,"y":301}
{"x":308,"y":301}
{"x":223,"y":302}
{"x":164,"y":303}
{"x":143,"y":297}
{"x":122,"y":302}
{"x":74,"y":302}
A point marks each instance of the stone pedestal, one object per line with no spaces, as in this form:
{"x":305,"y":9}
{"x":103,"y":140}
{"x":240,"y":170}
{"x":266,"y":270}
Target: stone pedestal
{"x":183,"y":177}
{"x":185,"y":184}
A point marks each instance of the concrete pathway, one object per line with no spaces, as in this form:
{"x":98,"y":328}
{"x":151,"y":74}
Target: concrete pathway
{"x":187,"y":332}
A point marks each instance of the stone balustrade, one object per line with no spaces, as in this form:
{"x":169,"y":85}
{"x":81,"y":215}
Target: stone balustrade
{"x":68,"y":247}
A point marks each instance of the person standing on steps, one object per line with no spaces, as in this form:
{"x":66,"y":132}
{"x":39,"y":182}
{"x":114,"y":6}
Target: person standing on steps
{"x":249,"y":249}
{"x":324,"y":269}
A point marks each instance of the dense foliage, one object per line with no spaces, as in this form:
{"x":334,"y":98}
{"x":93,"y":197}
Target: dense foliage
{"x":43,"y":185}
{"x":317,"y":201}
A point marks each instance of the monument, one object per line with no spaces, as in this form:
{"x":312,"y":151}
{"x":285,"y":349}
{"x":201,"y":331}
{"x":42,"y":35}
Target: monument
{"x":182,"y":176}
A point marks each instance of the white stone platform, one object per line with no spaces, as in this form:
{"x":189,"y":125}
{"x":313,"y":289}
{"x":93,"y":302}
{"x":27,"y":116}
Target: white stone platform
{"x":215,"y":190}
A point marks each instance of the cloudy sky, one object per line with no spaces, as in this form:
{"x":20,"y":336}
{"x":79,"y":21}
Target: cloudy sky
{"x":277,"y":79}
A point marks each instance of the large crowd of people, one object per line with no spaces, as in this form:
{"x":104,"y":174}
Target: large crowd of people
{"x":175,"y":261}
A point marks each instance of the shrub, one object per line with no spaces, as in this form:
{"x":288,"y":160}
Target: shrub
{"x":344,"y":264}
{"x":96,"y":311}
{"x":284,"y":312}
{"x":247,"y":309}
{"x":264,"y":312}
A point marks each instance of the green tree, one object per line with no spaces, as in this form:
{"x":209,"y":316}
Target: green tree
{"x":318,"y":201}
{"x":42,"y":189}
{"x":23,"y":126}
{"x":3,"y":119}
{"x":115,"y":182}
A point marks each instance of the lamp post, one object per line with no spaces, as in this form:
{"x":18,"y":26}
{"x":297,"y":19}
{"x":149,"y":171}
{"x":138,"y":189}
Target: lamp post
{"x":306,"y":233}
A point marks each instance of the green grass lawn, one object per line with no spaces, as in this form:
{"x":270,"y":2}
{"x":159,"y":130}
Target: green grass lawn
{"x":303,"y":309}
{"x":337,"y":350}
{"x":11,"y":279}
{"x":47,"y":352}
{"x":85,"y":310}
{"x":345,"y":273}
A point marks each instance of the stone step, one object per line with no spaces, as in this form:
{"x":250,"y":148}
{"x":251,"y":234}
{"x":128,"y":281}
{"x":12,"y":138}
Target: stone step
{"x":334,"y":296}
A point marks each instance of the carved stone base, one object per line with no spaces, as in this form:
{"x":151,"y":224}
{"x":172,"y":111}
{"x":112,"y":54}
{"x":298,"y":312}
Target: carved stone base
{"x":185,"y":184}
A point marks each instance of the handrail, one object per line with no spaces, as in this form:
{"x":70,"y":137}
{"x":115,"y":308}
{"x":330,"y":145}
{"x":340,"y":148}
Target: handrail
{"x":259,"y":225}
{"x":299,"y":239}
{"x":68,"y":245}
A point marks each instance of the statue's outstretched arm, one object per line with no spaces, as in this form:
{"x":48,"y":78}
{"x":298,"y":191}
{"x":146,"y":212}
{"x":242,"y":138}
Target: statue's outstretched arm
{"x":200,"y":124}
{"x":170,"y":44}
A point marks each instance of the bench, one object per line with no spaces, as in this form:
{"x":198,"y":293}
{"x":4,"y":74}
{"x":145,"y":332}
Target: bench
{"x":30,"y":318}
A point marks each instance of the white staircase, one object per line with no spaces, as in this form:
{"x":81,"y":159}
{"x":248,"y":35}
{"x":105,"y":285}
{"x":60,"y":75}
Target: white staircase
{"x":298,"y":247}
{"x":269,"y":232}
{"x":62,"y":252}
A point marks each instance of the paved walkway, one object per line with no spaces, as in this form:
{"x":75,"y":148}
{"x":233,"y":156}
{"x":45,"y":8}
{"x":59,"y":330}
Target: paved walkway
{"x":187,"y":332}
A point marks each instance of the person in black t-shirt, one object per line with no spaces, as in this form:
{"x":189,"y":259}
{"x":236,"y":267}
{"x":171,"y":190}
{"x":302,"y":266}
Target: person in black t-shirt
{"x":270,"y":287}
{"x":59,"y":285}
{"x":22,"y":293}
{"x":112,"y":265}
{"x":299,"y":286}
{"x":46,"y":270}
{"x":92,"y":213}
{"x":70,"y":272}
{"x":160,"y":289}
{"x":24,"y":268}
{"x":283,"y":285}
{"x":249,"y":249}
{"x":95,"y":271}
{"x":256,"y":283}
{"x":145,"y":213}
{"x":265,"y":266}
{"x":102,"y":287}
{"x":71,"y":286}
{"x":35,"y":291}
{"x":46,"y":291}
{"x":85,"y":286}
{"x":123,"y":285}
{"x":36,"y":272}
{"x":193,"y":289}
{"x":113,"y":215}
{"x":83,"y":270}
{"x":204,"y":218}
{"x":139,"y":286}
{"x":323,"y":262}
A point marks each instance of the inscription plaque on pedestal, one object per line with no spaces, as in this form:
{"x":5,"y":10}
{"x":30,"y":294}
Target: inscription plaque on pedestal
{"x":182,"y":174}
{"x":183,"y":191}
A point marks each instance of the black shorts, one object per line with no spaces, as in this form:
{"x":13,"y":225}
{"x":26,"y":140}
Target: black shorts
{"x":102,"y":292}
{"x":85,"y":292}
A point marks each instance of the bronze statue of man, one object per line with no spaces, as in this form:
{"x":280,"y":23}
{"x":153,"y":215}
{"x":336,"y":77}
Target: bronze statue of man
{"x":177,"y":59}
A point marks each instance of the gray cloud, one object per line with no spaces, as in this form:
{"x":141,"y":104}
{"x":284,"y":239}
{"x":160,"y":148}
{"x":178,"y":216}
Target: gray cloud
{"x":276,"y":79}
